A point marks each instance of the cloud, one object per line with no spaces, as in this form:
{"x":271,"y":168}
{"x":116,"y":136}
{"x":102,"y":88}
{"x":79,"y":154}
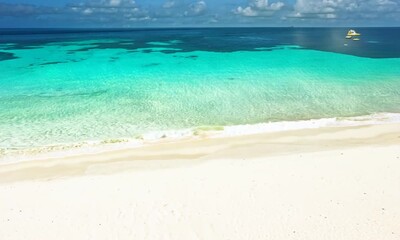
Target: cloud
{"x":112,"y":11}
{"x":196,"y":9}
{"x":105,"y":6}
{"x":180,"y":9}
{"x":121,"y":13}
{"x":259,"y":8}
{"x":17,"y":10}
{"x":169,"y":4}
{"x":115,"y":3}
{"x":264,"y":6}
{"x":246,"y":11}
{"x":343,"y":9}
{"x":87,"y":11}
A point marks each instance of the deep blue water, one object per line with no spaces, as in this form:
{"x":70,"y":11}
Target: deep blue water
{"x":375,"y":42}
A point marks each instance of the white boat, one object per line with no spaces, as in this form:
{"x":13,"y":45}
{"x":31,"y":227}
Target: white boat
{"x":352,"y":33}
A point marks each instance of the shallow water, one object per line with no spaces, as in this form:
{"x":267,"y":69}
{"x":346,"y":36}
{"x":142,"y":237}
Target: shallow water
{"x":62,"y":88}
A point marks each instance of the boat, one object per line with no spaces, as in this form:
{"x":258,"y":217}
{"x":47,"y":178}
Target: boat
{"x":352,"y":33}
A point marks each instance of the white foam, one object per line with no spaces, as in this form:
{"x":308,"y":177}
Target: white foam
{"x":95,"y":147}
{"x":380,"y":118}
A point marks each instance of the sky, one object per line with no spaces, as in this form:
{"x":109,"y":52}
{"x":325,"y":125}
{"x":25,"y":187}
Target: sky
{"x":198,"y":13}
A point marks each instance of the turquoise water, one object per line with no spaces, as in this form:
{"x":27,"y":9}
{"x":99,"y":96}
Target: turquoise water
{"x":59,"y":93}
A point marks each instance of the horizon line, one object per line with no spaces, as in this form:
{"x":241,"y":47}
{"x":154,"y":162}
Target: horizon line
{"x":193,"y":27}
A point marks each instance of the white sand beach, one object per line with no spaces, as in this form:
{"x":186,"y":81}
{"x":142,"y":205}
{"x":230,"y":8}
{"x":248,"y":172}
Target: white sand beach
{"x":327,"y":183}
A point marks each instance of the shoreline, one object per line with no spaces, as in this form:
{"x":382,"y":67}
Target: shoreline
{"x":192,"y":134}
{"x":280,"y":143}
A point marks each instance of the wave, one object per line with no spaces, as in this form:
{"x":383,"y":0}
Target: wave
{"x":91,"y":147}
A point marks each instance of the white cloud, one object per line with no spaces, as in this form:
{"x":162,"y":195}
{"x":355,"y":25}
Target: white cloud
{"x":264,"y":5}
{"x":343,"y":8}
{"x":330,"y":15}
{"x":169,"y":4}
{"x":196,"y":8}
{"x":198,"y":12}
{"x":214,"y":19}
{"x":115,"y":3}
{"x":110,"y":11}
{"x":110,"y":3}
{"x":259,"y":8}
{"x":24,"y":10}
{"x":87,"y":11}
{"x":316,"y":6}
{"x":247,"y":11}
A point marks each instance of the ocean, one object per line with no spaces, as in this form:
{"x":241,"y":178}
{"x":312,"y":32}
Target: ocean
{"x":68,"y":88}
